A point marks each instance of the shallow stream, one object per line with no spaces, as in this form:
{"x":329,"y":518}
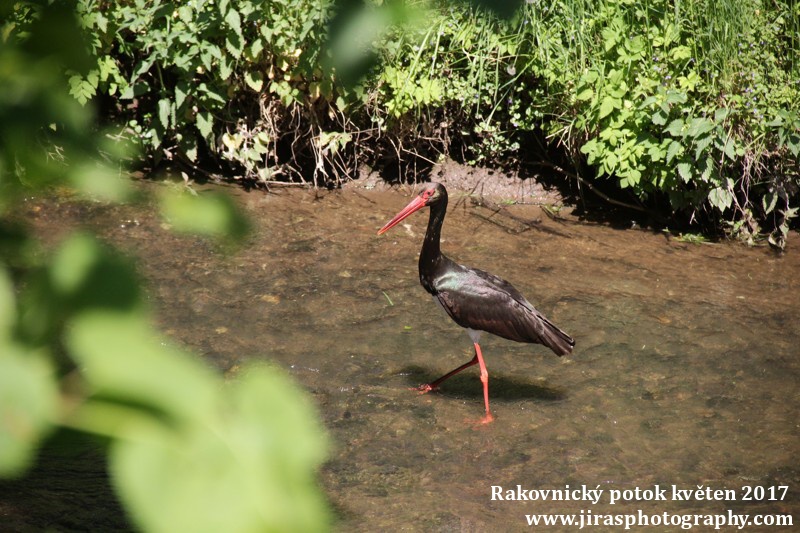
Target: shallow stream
{"x":686,"y":369}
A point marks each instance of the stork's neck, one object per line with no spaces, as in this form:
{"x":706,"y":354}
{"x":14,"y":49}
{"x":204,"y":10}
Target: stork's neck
{"x":430,"y":257}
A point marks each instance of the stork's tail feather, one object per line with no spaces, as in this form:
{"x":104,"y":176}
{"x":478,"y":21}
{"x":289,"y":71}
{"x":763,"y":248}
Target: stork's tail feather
{"x":555,"y":339}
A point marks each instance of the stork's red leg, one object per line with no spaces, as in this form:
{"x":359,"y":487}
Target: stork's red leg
{"x":485,"y":380}
{"x":433,"y":385}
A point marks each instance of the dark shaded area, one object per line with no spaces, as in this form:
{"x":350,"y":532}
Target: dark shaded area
{"x":68,"y":490}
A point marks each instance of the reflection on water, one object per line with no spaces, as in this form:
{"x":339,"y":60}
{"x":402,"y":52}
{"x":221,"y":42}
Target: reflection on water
{"x":685,"y":370}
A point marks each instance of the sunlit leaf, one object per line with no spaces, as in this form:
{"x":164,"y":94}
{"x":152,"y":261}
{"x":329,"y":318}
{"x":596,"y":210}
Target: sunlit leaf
{"x":254,"y":80}
{"x":721,"y":198}
{"x":99,"y":182}
{"x":675,"y":149}
{"x":209,"y":214}
{"x":7,"y":304}
{"x":698,"y":126}
{"x":768,"y":202}
{"x":205,"y":124}
{"x":122,"y":357}
{"x":685,"y":171}
{"x":675,"y":127}
{"x":234,"y":21}
{"x":607,"y":106}
{"x":164,"y":107}
{"x":659,"y":118}
{"x":182,"y":90}
{"x":585,"y":94}
{"x":88,"y":275}
{"x":28,"y":405}
{"x":249,"y":467}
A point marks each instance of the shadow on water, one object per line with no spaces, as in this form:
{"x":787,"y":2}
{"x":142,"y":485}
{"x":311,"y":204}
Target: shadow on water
{"x":501,"y":388}
{"x":68,"y":489}
{"x":685,"y":372}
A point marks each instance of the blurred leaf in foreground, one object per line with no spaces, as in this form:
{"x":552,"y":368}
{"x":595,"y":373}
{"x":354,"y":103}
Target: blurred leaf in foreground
{"x":28,"y":406}
{"x":28,"y":392}
{"x":46,"y":137}
{"x":209,"y":457}
{"x":210,"y":214}
{"x":358,"y":26}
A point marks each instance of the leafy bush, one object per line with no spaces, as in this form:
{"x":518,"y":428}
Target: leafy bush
{"x":691,"y":107}
{"x":659,"y":114}
{"x":695,"y":103}
{"x":236,"y":79}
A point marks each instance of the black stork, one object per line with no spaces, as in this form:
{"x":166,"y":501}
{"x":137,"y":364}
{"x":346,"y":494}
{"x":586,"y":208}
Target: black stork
{"x":474,"y":299}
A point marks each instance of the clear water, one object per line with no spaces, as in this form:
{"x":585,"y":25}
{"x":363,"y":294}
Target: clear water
{"x":686,"y":369}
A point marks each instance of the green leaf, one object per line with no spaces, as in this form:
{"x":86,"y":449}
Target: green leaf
{"x":793,"y":143}
{"x":673,"y":150}
{"x":699,"y":126}
{"x":82,"y":89}
{"x":675,"y":128}
{"x":212,"y":94}
{"x":708,"y":169}
{"x":721,"y":198}
{"x":186,"y":14}
{"x":209,"y":214}
{"x":28,"y":405}
{"x":730,"y":148}
{"x":154,"y":134}
{"x":264,"y":437}
{"x":225,"y":68}
{"x":701,"y":144}
{"x":685,"y":171}
{"x":135,"y":89}
{"x":254,"y":80}
{"x":205,"y":124}
{"x":164,"y":106}
{"x":123,"y":358}
{"x":607,"y":106}
{"x":234,"y":43}
{"x":659,"y":118}
{"x":656,"y":152}
{"x":256,"y":48}
{"x":234,"y":21}
{"x":681,"y":52}
{"x":769,"y":206}
{"x":720,"y":114}
{"x":585,"y":94}
{"x":181,"y":92}
{"x":189,"y":147}
{"x":675,"y":97}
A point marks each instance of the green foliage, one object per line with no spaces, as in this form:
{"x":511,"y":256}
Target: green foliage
{"x":659,"y":118}
{"x":691,"y":106}
{"x":188,"y":451}
{"x":187,"y":75}
{"x":693,"y":103}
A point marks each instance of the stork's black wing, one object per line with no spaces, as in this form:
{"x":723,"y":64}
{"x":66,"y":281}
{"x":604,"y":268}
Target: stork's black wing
{"x":478,"y":300}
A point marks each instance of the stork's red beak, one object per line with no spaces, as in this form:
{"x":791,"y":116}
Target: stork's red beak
{"x":416,"y":204}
